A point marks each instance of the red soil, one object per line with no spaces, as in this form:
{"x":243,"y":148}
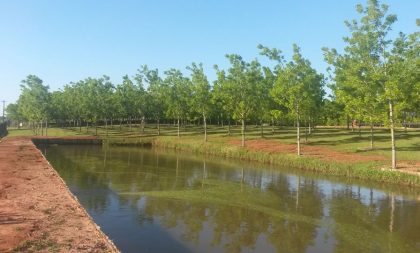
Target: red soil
{"x":322,"y":153}
{"x":306,"y":150}
{"x":37,"y":211}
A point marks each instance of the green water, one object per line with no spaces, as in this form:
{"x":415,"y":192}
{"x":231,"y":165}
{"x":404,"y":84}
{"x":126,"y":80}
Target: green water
{"x":159,"y":201}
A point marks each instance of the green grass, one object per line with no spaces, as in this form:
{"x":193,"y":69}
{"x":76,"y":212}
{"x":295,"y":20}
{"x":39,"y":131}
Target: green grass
{"x":339,"y":139}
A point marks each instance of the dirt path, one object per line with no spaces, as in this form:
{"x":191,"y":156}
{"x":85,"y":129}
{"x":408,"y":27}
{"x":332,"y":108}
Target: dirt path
{"x":37,"y":211}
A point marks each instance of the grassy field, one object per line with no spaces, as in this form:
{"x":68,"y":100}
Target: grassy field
{"x":219,"y":143}
{"x":339,"y":139}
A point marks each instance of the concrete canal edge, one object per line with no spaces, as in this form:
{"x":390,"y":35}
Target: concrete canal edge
{"x":38,"y":212}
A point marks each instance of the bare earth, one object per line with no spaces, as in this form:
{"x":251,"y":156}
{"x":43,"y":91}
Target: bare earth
{"x":323,"y":153}
{"x":38,"y":213}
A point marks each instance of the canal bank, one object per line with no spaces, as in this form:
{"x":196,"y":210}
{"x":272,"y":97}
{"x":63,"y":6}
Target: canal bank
{"x":38,"y":213}
{"x":315,"y":159}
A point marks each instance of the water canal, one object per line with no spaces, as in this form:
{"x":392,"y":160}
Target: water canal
{"x":149,"y":200}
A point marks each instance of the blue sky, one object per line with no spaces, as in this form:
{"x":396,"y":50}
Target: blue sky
{"x":64,"y":41}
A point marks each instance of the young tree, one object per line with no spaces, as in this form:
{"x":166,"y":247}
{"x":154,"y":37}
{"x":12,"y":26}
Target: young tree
{"x":155,"y":94}
{"x":34,"y":101}
{"x":200,"y":93}
{"x":298,"y":87}
{"x":178,"y":95}
{"x":240,"y":86}
{"x":368,"y":61}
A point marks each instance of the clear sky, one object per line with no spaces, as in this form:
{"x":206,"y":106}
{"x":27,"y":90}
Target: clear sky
{"x":64,"y":41}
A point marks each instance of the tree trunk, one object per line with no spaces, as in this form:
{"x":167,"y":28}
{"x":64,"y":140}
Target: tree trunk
{"x":310,"y":126}
{"x":96,"y":127}
{"x":178,"y":127}
{"x":371,"y":134}
{"x":262,"y":129}
{"x":228,"y":127}
{"x":143,"y":124}
{"x":106,"y":127}
{"x":348,"y":122}
{"x":243,"y":133}
{"x":298,"y":132}
{"x":42,"y":129}
{"x":391,"y":121}
{"x":360,"y":130}
{"x":158,"y":127}
{"x":205,"y":127}
{"x":46,"y":127}
{"x":272,"y":125}
{"x":80,"y":125}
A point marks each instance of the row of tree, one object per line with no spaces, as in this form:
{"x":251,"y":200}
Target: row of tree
{"x":374,"y":80}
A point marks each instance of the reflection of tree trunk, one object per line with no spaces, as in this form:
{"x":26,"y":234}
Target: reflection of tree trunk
{"x":242,"y":178}
{"x":204,"y":174}
{"x":297,"y":193}
{"x":106,"y":151}
{"x":176,"y":173}
{"x":391,"y":218}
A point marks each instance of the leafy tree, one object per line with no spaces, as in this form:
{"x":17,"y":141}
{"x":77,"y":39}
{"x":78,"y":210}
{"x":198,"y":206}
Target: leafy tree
{"x":155,"y":94}
{"x":298,"y":87}
{"x":240,"y":87}
{"x":371,"y":65}
{"x":200,"y":93}
{"x":13,"y":113}
{"x":34,"y":100}
{"x":178,"y":94}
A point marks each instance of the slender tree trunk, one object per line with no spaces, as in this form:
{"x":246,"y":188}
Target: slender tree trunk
{"x":371,"y":134}
{"x":158,"y":127}
{"x":306,"y":132}
{"x":178,"y":127}
{"x":46,"y":127}
{"x":243,"y":132}
{"x":143,"y":123}
{"x":348,"y":122}
{"x":262,"y":129}
{"x":129,"y":122}
{"x":298,"y":132}
{"x":272,"y":125}
{"x":228,"y":127}
{"x":391,"y":121}
{"x":96,"y":127}
{"x":80,"y":125}
{"x":205,"y":127}
{"x":360,"y":130}
{"x":42,"y":129}
{"x":106,"y":127}
{"x":310,"y":126}
{"x":112,"y":123}
{"x":352,"y":126}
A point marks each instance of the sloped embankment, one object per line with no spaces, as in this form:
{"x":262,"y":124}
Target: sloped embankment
{"x":38,"y":213}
